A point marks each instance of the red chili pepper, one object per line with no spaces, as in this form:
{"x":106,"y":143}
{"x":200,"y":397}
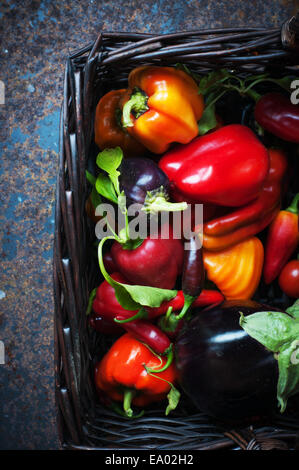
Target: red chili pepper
{"x":101,"y":325}
{"x":156,"y":262}
{"x":282,"y":240}
{"x":248,"y":220}
{"x":289,"y":279}
{"x":106,"y":306}
{"x":276,"y":113}
{"x":148,"y":333}
{"x":109,"y":263}
{"x":227,"y":167}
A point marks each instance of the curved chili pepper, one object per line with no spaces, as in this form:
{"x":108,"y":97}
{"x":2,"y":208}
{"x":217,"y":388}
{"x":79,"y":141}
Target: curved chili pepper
{"x":107,"y":127}
{"x":193,"y":277}
{"x":148,"y":333}
{"x":237,"y":270}
{"x":162,"y":105}
{"x":282,"y":240}
{"x":227,"y":167}
{"x":246,"y":221}
{"x":122,"y":374}
{"x":276,"y":113}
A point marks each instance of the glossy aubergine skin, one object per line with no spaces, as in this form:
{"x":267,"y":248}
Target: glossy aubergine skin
{"x":139,"y":175}
{"x":226,"y":373}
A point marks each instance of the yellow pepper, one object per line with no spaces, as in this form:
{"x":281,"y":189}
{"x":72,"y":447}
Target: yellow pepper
{"x":237,"y":270}
{"x":161,"y":106}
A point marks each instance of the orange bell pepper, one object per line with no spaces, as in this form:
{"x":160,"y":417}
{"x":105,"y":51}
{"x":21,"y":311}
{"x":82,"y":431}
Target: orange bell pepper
{"x":107,"y":127}
{"x":236,"y":270}
{"x":122,"y":374}
{"x":161,"y":106}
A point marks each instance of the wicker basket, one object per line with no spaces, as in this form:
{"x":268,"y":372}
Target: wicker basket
{"x":90,"y":72}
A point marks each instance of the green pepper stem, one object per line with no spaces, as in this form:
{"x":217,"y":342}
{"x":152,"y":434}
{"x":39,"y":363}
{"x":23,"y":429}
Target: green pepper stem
{"x":141,"y":314}
{"x":136,"y":103}
{"x":169,"y":360}
{"x":127,"y":401}
{"x":160,"y":204}
{"x":187,"y":304}
{"x":252,"y":94}
{"x":293,"y":207}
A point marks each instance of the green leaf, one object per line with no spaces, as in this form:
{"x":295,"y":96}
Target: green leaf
{"x":173,"y":399}
{"x":212,"y":80}
{"x":288,"y":366}
{"x":90,"y":300}
{"x":110,"y":159}
{"x":278,"y":332}
{"x":90,"y":177}
{"x":272,"y":329}
{"x":208,"y":120}
{"x":96,"y":199}
{"x":105,"y":187}
{"x":294,"y":310}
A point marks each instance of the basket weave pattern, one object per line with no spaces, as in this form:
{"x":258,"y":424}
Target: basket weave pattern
{"x":90,"y":72}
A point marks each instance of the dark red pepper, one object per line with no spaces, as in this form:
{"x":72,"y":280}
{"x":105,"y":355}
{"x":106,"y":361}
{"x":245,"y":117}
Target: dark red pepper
{"x":278,"y":115}
{"x":156,"y":262}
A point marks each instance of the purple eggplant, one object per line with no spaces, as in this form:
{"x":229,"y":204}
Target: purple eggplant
{"x":144,"y":183}
{"x":225,"y":372}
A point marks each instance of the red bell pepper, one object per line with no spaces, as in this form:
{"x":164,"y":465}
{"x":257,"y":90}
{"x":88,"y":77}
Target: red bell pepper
{"x":124,"y":374}
{"x":227,"y":167}
{"x":278,"y":115}
{"x":282,"y":240}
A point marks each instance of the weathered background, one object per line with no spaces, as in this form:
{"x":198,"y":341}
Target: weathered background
{"x":36,"y":38}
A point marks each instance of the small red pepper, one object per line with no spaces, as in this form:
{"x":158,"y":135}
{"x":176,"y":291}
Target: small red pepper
{"x":156,"y":262}
{"x":123,"y":374}
{"x":276,"y":113}
{"x":148,"y":333}
{"x":282,"y":240}
{"x":227,"y":167}
{"x":289,"y":279}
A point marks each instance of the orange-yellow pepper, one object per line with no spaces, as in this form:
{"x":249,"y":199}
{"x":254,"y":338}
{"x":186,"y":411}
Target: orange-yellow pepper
{"x":237,"y":270}
{"x":107,"y":126}
{"x":161,"y":106}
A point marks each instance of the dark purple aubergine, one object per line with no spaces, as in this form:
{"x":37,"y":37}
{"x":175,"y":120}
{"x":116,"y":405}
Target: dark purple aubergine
{"x":140,"y":175}
{"x":226,"y":373}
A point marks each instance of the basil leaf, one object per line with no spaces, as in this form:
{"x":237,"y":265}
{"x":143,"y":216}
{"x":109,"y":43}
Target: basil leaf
{"x":105,"y":187}
{"x":208,"y":120}
{"x":213,"y":79}
{"x":90,"y":177}
{"x":110,"y":159}
{"x":96,"y":199}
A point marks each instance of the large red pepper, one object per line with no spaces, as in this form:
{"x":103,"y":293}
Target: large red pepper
{"x":282,"y":240}
{"x":246,"y":221}
{"x":227,"y":167}
{"x":156,"y":262}
{"x":277,"y":114}
{"x":123,"y":374}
